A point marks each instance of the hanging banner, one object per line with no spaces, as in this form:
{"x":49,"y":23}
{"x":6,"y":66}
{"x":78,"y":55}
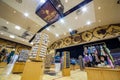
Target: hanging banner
{"x":48,"y":12}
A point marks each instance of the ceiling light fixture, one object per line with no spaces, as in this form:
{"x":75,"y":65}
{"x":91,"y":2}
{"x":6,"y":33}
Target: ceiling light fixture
{"x":14,"y":11}
{"x":42,"y":1}
{"x":66,"y":1}
{"x":13,"y":49}
{"x":26,"y":14}
{"x":17,"y":27}
{"x":48,"y":29}
{"x":88,"y":23}
{"x":84,"y":9}
{"x":12,"y":36}
{"x":62,"y":21}
{"x":7,"y":22}
{"x":1,"y":33}
{"x":70,"y":30}
{"x":56,"y":35}
{"x":59,"y":5}
{"x":31,"y":43}
{"x":99,"y":8}
{"x":76,"y":17}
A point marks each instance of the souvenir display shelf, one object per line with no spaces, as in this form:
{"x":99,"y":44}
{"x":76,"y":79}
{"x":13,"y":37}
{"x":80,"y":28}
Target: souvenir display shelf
{"x":39,"y":48}
{"x":19,"y":65}
{"x":99,"y":49}
{"x":23,"y":56}
{"x":66,"y":64}
{"x":35,"y":64}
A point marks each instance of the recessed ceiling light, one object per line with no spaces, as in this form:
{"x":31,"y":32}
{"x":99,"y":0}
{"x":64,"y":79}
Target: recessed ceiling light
{"x":99,"y":8}
{"x":48,"y":29}
{"x":59,"y":5}
{"x":88,"y":23}
{"x":12,"y":36}
{"x":62,"y":21}
{"x":56,"y":35}
{"x":13,"y":49}
{"x":26,"y":14}
{"x":84,"y":9}
{"x":7,"y":22}
{"x":17,"y":27}
{"x":1,"y":33}
{"x":42,"y":1}
{"x":66,"y":1}
{"x":31,"y":43}
{"x":70,"y":30}
{"x":76,"y":17}
{"x":14,"y":11}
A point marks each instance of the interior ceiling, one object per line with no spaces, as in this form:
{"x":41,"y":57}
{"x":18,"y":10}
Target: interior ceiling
{"x":99,"y":12}
{"x":11,"y":30}
{"x":70,"y":4}
{"x":75,"y":20}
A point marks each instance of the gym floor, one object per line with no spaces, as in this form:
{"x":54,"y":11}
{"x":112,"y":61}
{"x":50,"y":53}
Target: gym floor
{"x":75,"y":75}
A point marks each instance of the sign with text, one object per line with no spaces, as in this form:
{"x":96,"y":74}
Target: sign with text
{"x":39,"y":47}
{"x":48,"y":12}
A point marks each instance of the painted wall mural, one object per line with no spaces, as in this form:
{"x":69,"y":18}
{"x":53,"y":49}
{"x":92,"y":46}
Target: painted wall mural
{"x":102,"y":32}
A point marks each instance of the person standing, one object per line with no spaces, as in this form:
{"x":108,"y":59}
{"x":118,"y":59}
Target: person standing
{"x":10,"y":56}
{"x":3,"y":54}
{"x":73,"y":63}
{"x":82,"y":66}
{"x":57,"y":62}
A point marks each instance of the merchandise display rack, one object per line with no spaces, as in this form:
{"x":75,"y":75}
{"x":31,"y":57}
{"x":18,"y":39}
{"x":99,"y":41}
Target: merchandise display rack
{"x":39,"y":48}
{"x":35,"y":64}
{"x":66,"y":64}
{"x":23,"y":56}
{"x":20,"y":64}
{"x":99,"y":49}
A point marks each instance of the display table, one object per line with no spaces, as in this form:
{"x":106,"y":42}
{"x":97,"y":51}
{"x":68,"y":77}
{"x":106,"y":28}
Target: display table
{"x":33,"y":71}
{"x":3,"y":64}
{"x":66,"y":72}
{"x":76,"y":67}
{"x":102,"y":73}
{"x":18,"y":67}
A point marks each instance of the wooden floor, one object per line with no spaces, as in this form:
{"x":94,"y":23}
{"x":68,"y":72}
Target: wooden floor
{"x":75,"y":75}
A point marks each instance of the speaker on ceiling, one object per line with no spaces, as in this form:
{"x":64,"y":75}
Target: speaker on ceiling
{"x":73,"y":32}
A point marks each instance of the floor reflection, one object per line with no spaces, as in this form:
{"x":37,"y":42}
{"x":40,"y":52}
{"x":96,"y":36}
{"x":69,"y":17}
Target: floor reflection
{"x":5,"y":74}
